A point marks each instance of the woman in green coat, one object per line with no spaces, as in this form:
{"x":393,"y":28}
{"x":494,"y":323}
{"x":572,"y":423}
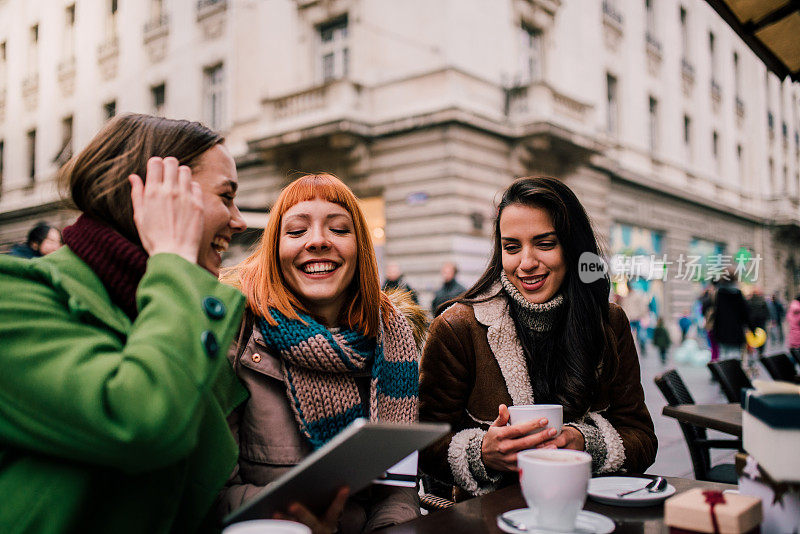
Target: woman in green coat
{"x":115,"y":386}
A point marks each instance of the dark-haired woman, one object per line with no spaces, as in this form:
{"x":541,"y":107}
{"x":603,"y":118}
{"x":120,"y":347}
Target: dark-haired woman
{"x":115,"y":387}
{"x":531,"y":330}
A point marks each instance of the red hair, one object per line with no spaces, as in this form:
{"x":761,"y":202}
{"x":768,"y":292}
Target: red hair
{"x":260,"y":278}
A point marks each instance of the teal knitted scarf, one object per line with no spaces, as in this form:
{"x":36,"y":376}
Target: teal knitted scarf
{"x":320,"y":366}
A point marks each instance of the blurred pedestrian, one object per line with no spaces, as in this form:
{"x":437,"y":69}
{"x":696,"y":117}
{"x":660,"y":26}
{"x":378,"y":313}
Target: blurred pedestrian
{"x":450,"y":287}
{"x":759,"y":313}
{"x":637,"y":307}
{"x":732,"y":317}
{"x":684,"y":323}
{"x":42,"y":240}
{"x":395,"y":279}
{"x":661,"y":339}
{"x":708,"y":308}
{"x":777,"y":314}
{"x":793,"y":319}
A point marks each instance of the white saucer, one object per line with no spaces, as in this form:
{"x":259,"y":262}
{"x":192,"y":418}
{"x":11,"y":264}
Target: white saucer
{"x":605,"y":490}
{"x":586,"y":523}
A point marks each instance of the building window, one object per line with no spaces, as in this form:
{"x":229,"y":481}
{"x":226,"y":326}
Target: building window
{"x":31,"y":136}
{"x":213,"y":87}
{"x":333,"y":50}
{"x":653,"y":118}
{"x":33,"y":51}
{"x":532,"y":54}
{"x":158,"y":96}
{"x":740,"y":162}
{"x":612,"y":105}
{"x":715,"y":145}
{"x":111,"y":20}
{"x":771,"y":171}
{"x":109,"y":109}
{"x":687,"y":135}
{"x":737,"y":77}
{"x":684,"y":34}
{"x":650,"y":20}
{"x":68,"y":51}
{"x":66,"y":141}
{"x":2,"y":65}
{"x":712,"y":51}
{"x":2,"y":162}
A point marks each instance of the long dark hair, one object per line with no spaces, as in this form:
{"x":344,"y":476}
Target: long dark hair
{"x":572,"y":361}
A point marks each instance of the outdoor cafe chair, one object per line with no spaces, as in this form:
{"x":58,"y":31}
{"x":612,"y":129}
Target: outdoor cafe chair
{"x":780,"y":367}
{"x":674,"y":390}
{"x":731,"y":378}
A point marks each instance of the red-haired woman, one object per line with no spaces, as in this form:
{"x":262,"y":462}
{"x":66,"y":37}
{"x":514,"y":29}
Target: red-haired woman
{"x":320,"y":345}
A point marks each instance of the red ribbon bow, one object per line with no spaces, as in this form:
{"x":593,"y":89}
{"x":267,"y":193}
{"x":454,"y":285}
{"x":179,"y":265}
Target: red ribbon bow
{"x":713,"y":498}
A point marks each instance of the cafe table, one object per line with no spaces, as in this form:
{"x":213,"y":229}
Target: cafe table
{"x":723,"y":417}
{"x":479,"y":515}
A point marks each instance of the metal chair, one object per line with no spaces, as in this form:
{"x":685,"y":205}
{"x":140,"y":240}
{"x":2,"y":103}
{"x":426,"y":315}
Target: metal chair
{"x":780,"y":367}
{"x":731,"y":378}
{"x":675,"y":392}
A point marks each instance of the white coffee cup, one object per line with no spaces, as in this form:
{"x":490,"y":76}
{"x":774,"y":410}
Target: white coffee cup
{"x":267,"y":526}
{"x":529,"y":412}
{"x":554,"y":484}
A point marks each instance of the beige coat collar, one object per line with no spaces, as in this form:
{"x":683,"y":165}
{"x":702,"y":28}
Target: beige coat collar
{"x":504,"y":343}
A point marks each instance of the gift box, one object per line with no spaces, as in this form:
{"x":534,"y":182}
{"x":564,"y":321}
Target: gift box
{"x":699,"y":510}
{"x":771,"y":428}
{"x":780,"y":501}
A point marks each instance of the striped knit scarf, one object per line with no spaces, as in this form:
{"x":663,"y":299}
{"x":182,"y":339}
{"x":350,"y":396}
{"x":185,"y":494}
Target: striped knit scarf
{"x":320,"y":366}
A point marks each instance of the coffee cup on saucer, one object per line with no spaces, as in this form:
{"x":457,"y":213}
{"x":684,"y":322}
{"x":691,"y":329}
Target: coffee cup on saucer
{"x":267,"y":526}
{"x":554,"y":484}
{"x":554,"y":413}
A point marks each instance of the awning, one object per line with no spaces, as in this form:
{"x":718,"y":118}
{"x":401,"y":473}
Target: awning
{"x":771,"y":28}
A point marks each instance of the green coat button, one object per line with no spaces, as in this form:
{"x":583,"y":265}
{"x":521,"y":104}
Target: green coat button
{"x":210,"y":343}
{"x":214,"y":307}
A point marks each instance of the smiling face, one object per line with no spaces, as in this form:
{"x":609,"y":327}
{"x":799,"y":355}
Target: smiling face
{"x":533,"y":259}
{"x":216,"y":174}
{"x":318,"y":255}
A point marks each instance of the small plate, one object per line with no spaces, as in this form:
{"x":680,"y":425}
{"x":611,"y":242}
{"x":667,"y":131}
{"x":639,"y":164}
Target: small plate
{"x":605,"y":490}
{"x":586,"y":523}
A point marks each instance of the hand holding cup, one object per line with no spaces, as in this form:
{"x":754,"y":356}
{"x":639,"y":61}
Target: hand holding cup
{"x":503,"y":441}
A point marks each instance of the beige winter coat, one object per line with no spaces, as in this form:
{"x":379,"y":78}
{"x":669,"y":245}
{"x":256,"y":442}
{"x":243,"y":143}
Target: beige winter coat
{"x":270,"y":442}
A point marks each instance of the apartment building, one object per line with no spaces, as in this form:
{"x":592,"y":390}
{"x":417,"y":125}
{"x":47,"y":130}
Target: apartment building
{"x":671,"y":131}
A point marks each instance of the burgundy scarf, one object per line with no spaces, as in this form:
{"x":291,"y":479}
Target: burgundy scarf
{"x":118,"y":263}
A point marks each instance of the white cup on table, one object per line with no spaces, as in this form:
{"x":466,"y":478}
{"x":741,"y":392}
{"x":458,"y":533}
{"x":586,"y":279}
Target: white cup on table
{"x":554,"y":484}
{"x":267,"y":526}
{"x":529,"y":412}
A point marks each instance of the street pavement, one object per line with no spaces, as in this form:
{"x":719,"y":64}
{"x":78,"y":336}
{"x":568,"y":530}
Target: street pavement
{"x":672,"y":458}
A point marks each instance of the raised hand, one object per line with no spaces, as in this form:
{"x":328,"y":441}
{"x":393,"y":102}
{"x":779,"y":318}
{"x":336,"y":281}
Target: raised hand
{"x":168,"y":209}
{"x":502,"y":442}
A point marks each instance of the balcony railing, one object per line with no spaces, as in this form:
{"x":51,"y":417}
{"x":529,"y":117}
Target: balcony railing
{"x":610,"y":12}
{"x":108,"y":48}
{"x":716,"y":90}
{"x":156,"y":26}
{"x":206,"y":8}
{"x":739,"y":107}
{"x":687,"y":69}
{"x":653,"y":44}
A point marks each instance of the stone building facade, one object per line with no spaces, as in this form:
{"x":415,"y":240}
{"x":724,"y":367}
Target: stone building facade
{"x":666,"y":125}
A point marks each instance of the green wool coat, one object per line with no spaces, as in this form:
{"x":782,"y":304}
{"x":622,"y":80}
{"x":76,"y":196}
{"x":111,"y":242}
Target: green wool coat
{"x":108,"y":425}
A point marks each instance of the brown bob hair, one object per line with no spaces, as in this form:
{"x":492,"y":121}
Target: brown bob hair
{"x":96,"y":180}
{"x":260,"y":278}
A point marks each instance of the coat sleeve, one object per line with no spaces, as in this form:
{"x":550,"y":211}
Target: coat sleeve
{"x":447,"y":374}
{"x":235,"y":492}
{"x":621,"y":437}
{"x":74,"y":388}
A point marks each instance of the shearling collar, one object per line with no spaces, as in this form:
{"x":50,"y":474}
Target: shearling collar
{"x":504,"y":343}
